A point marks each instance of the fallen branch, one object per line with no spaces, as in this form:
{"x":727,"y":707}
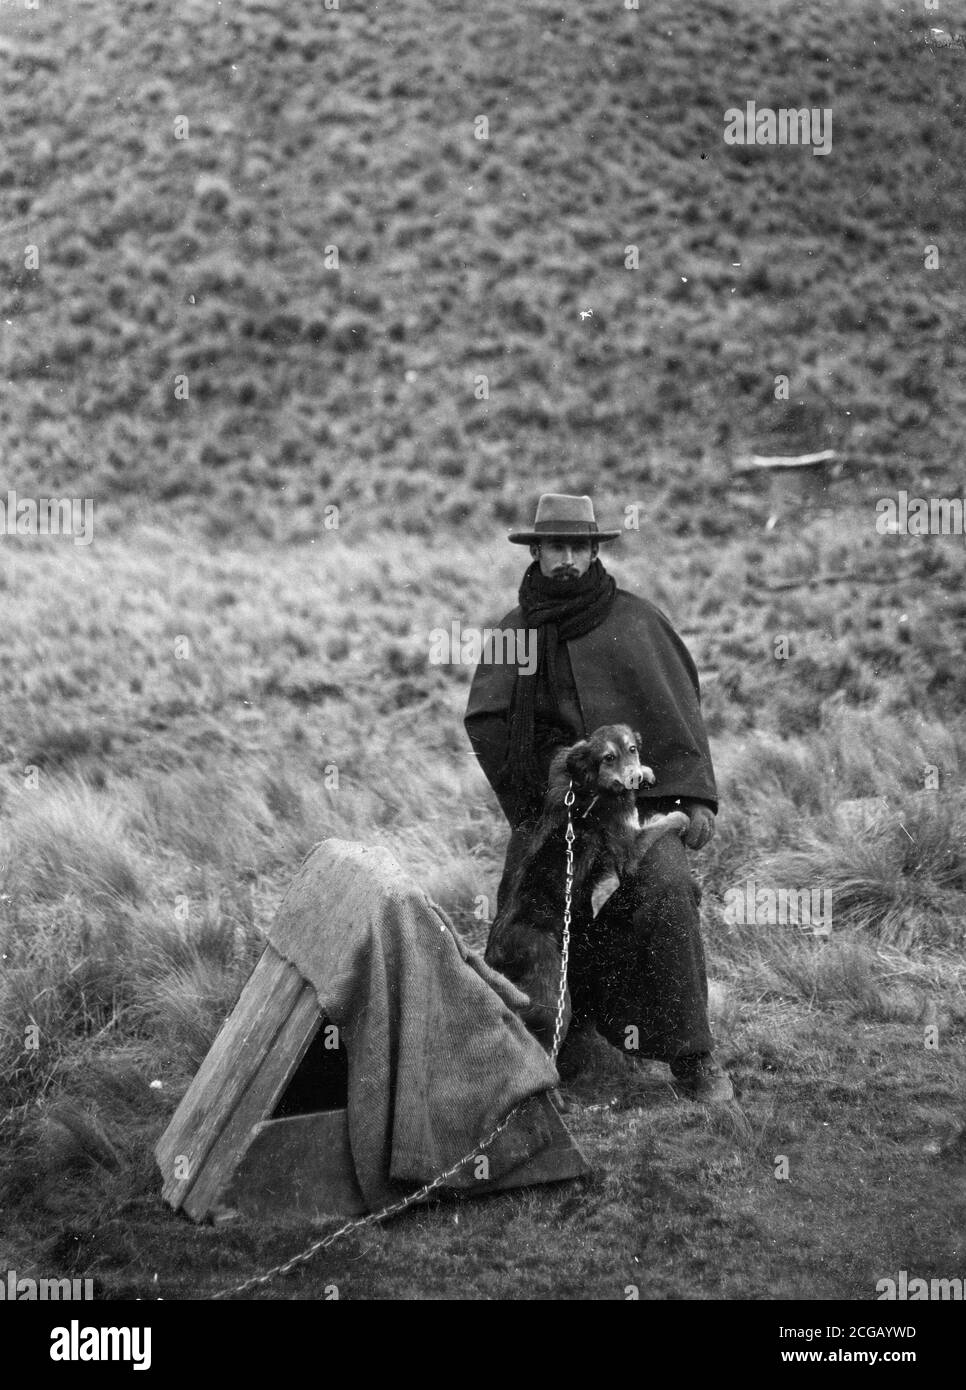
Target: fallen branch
{"x":837,"y":578}
{"x":756,"y":462}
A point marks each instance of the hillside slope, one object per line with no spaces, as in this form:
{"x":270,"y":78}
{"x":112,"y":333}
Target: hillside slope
{"x":308,"y":384}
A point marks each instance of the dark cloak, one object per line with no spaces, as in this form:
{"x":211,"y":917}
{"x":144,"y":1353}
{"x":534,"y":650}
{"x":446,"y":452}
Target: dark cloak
{"x":631,"y":669}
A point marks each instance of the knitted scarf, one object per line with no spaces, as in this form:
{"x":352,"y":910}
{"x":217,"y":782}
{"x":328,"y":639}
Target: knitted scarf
{"x":559,"y":611}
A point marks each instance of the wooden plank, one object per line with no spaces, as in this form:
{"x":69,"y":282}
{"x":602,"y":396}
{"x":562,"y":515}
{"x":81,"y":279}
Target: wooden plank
{"x":234,"y":1058}
{"x":255,"y":1104}
{"x":299,"y":1166}
{"x":249,"y":1011}
{"x":302,"y":1166}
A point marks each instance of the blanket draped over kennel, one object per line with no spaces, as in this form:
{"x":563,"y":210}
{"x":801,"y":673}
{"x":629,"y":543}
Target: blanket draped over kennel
{"x":436,"y":1055}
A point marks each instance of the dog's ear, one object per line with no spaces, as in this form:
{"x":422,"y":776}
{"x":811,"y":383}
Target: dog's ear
{"x":558,"y":775}
{"x":580,"y":763}
{"x":637,"y":740}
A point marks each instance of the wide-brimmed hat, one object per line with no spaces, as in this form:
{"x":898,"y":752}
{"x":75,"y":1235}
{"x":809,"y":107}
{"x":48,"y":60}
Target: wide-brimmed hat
{"x":560,"y":518}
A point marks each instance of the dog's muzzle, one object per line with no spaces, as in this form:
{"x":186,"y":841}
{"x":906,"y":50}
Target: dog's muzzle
{"x":632,"y":780}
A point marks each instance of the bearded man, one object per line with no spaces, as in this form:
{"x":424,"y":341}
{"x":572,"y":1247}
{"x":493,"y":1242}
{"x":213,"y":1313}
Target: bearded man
{"x":606,"y":656}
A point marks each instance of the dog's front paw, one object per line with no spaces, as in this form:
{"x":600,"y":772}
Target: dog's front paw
{"x":674,"y":823}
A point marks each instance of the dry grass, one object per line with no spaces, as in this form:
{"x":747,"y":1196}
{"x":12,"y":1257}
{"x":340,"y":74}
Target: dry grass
{"x":140,"y":878}
{"x":312,"y":385}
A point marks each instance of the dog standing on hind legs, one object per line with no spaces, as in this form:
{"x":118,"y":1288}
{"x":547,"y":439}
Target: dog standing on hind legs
{"x":610,"y":841}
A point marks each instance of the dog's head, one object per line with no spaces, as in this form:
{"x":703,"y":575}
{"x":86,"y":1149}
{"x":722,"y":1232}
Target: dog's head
{"x":608,"y":762}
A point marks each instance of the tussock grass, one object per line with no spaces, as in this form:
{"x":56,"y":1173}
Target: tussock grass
{"x":898,"y":873}
{"x":72,"y":839}
{"x":75,"y":1139}
{"x":205,"y":259}
{"x":96,"y":866}
{"x":901,"y":881}
{"x":823,"y":973}
{"x":207,"y":817}
{"x":187,"y":1005}
{"x":65,"y":976}
{"x":188,"y":974}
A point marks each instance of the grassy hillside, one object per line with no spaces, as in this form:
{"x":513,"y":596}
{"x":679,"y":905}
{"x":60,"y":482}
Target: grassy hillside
{"x":205,"y":256}
{"x":222,"y":678}
{"x":168,"y":802}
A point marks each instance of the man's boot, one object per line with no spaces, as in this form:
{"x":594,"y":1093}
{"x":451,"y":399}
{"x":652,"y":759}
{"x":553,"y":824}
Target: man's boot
{"x":581,"y":1048}
{"x":701,"y":1079}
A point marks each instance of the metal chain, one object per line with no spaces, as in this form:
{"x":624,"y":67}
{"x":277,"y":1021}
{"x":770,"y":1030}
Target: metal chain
{"x":372,"y":1217}
{"x":565,"y":944}
{"x":423,"y":1192}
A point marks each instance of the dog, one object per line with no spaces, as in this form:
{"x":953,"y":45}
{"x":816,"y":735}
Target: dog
{"x":605,"y":771}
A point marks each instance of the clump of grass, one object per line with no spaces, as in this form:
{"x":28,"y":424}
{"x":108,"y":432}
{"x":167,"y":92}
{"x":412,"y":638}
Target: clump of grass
{"x":284,"y":797}
{"x":186,"y":1007}
{"x":220,"y":930}
{"x":74,"y":1139}
{"x":71,"y":837}
{"x":901,"y":882}
{"x":61,"y":745}
{"x":821,"y":973}
{"x":852,"y":971}
{"x":187,"y":976}
{"x":207,"y":817}
{"x":65,"y":975}
{"x":777,"y":795}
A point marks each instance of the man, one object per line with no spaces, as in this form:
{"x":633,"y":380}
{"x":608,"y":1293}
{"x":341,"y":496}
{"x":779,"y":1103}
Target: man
{"x":605,"y":656}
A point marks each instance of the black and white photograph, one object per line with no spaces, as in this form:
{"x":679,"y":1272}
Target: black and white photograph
{"x":483,"y":719}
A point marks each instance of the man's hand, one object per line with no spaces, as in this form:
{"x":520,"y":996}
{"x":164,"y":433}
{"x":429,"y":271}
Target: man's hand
{"x":701,"y":829}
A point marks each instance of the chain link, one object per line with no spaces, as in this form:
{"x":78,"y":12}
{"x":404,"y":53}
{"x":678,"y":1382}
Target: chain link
{"x":423,"y":1192}
{"x":565,"y":943}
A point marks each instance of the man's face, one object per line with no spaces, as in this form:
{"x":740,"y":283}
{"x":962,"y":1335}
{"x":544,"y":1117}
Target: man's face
{"x":565,"y":559}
